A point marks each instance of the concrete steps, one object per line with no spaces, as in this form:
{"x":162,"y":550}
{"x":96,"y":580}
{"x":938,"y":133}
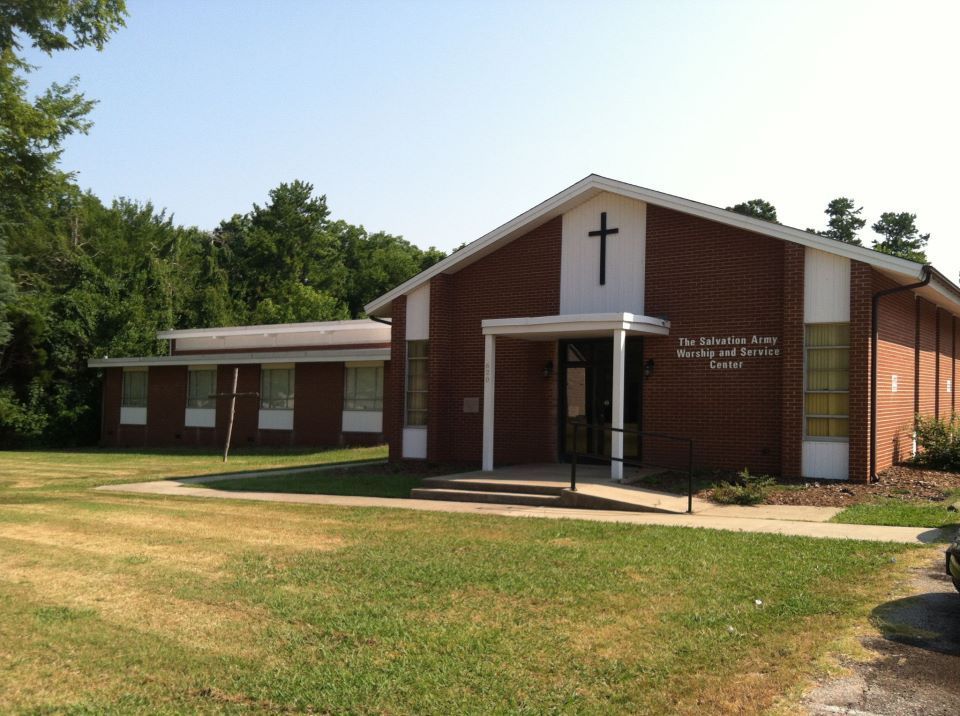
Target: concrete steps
{"x":486,"y":495}
{"x":505,"y":486}
{"x":529,"y":489}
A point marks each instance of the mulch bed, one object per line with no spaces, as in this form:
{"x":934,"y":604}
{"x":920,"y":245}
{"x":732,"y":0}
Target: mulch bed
{"x":904,"y":482}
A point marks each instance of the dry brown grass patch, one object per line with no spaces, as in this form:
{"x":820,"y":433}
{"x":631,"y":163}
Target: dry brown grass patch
{"x":216,"y":628}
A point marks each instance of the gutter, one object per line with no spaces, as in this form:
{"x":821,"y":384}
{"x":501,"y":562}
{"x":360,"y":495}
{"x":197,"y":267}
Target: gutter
{"x":927,"y":272}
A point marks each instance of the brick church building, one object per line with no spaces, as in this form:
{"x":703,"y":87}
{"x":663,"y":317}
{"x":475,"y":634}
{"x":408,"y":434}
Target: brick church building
{"x":625,"y":312}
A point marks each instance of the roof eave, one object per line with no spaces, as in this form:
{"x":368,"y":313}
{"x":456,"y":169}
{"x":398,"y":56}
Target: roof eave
{"x":594,"y":183}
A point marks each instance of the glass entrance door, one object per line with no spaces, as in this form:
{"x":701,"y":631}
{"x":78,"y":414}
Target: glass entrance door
{"x":586,"y":396}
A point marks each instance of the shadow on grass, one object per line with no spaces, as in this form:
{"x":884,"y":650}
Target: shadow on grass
{"x":254,"y":473}
{"x":367,"y":480}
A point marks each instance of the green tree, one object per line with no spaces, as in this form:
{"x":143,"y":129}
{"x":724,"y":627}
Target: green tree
{"x":32,"y":130}
{"x":285,"y":256}
{"x":901,"y":236}
{"x":844,"y":222}
{"x":377,"y":262}
{"x":757,"y":208}
{"x":53,"y":25}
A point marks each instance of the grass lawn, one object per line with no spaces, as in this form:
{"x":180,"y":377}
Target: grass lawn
{"x":31,"y":470}
{"x":902,"y":513}
{"x":113,"y":603}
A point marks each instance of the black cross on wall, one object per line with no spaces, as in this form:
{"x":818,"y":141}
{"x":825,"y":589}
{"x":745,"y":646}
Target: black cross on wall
{"x":603,"y":233}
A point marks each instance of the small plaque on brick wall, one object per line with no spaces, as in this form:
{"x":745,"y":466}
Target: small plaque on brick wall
{"x":471,"y":405}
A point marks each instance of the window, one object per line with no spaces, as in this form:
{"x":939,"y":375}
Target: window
{"x":827,"y":380}
{"x":364,"y":388}
{"x":276,"y":388}
{"x":417,"y":372}
{"x":134,"y":393}
{"x":201,"y":384}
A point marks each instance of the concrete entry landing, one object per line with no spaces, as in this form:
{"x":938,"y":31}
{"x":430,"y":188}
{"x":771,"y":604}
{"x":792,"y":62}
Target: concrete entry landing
{"x":548,"y":485}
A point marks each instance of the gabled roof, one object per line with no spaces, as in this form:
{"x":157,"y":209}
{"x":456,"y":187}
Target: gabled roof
{"x":590,"y":186}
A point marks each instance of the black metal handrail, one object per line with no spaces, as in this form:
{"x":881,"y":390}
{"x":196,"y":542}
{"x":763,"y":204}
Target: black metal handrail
{"x":633,"y":463}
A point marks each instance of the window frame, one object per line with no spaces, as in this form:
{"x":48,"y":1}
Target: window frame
{"x":212,"y":402}
{"x":377,"y":400}
{"x":807,"y":391}
{"x":406,"y":386}
{"x":123,"y":387}
{"x":290,"y":401}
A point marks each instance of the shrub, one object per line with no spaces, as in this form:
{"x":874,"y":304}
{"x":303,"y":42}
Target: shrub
{"x":938,"y":442}
{"x":747,"y":489}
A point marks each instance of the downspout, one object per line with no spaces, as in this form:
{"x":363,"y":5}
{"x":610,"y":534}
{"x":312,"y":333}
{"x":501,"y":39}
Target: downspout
{"x":874,"y":333}
{"x":384,"y":321}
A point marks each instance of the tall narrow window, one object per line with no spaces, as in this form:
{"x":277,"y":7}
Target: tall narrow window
{"x":417,"y":372}
{"x":364,"y":388}
{"x":276,"y":388}
{"x":827,"y":380}
{"x":201,"y":384}
{"x":134,"y":393}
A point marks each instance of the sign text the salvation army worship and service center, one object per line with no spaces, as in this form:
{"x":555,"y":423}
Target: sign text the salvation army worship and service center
{"x":728,"y":352}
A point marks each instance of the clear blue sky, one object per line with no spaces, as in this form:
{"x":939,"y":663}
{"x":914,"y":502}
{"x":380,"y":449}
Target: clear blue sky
{"x":441,"y":120}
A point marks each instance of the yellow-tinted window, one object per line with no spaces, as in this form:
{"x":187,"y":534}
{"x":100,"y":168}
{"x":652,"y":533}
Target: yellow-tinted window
{"x":827,"y":380}
{"x":417,"y":377}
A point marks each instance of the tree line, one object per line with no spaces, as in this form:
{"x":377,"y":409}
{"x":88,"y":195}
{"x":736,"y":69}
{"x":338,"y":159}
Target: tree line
{"x":80,"y":278}
{"x":897,"y":232}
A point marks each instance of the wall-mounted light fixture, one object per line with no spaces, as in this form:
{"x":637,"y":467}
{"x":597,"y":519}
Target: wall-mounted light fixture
{"x":648,"y":368}
{"x":548,"y":369}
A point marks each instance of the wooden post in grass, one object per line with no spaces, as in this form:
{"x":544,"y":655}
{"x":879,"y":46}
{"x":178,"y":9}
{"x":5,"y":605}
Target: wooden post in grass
{"x":233,"y":395}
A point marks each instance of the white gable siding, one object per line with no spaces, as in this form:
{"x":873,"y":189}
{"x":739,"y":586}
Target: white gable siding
{"x":826,"y":299}
{"x":418,"y":314}
{"x":580,"y":289}
{"x":826,"y":287}
{"x":418,"y":329}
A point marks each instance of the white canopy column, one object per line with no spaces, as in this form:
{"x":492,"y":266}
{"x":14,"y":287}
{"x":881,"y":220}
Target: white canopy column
{"x":489,"y":389}
{"x":616,"y":440}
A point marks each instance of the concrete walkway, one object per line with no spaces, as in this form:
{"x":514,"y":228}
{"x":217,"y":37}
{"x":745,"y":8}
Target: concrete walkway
{"x":770,"y":519}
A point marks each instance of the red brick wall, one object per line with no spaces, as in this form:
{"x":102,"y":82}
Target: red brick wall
{"x":714,"y":280}
{"x":861,"y":294}
{"x":896,"y":355}
{"x":317,"y":418}
{"x":166,"y":397}
{"x":319,"y":399}
{"x":953,"y":365}
{"x":927,"y":362}
{"x":521,"y":279}
{"x":944,"y":363}
{"x":791,"y":432}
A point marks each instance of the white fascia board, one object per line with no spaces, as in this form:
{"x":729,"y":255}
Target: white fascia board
{"x":542,"y":212}
{"x":278,"y":329}
{"x":910,"y":269}
{"x":579,"y":323}
{"x":331,"y":356}
{"x":593,"y":184}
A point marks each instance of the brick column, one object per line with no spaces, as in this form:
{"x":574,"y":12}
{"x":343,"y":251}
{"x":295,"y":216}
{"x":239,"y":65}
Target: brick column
{"x":791,"y":430}
{"x":861,"y":295}
{"x":441,"y":412}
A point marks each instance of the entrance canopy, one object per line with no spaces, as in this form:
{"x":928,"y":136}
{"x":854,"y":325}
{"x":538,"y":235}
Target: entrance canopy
{"x":615,"y":326}
{"x":584,"y":325}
